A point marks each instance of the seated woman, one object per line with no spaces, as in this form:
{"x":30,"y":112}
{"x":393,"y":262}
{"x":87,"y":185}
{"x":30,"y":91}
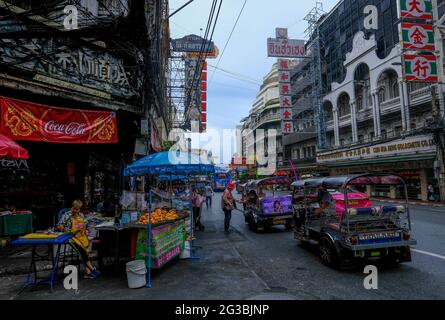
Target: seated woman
{"x":74,"y":221}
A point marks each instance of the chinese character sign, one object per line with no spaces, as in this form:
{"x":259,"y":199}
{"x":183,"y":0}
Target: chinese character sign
{"x":421,"y":68}
{"x":284,"y":76}
{"x":284,"y":89}
{"x":283,"y":64}
{"x":285,"y":101}
{"x":286,"y":114}
{"x":287,"y":126}
{"x":418,"y":36}
{"x":416,"y":9}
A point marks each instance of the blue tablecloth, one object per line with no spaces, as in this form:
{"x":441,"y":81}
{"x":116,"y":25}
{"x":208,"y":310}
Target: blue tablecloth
{"x":59,"y":240}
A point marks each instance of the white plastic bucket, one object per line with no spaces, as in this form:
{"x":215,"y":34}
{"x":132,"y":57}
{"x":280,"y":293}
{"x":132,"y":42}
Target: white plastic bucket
{"x":136,"y":274}
{"x":185,"y":254}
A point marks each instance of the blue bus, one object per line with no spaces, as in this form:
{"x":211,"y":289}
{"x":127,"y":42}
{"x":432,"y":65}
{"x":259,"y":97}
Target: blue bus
{"x":221,"y":179}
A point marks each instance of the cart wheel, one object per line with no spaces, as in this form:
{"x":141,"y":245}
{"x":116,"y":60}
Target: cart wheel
{"x":288,"y":224}
{"x":328,"y":253}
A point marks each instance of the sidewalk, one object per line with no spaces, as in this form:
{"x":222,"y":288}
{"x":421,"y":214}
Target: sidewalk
{"x":411,"y":202}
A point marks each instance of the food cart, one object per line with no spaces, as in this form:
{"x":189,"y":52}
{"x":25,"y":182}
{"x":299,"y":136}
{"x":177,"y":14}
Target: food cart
{"x":263,"y":210}
{"x":165,"y":226}
{"x":351,"y":232}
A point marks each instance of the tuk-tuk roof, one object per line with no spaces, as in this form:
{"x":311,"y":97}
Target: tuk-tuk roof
{"x":270,"y":181}
{"x":337,"y":182}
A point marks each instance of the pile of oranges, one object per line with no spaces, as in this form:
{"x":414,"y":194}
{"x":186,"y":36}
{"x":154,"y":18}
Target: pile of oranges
{"x":159,"y":215}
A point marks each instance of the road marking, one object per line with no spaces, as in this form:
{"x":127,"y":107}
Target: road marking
{"x":429,"y":253}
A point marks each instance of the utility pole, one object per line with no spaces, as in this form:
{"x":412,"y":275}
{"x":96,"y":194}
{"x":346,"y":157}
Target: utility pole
{"x":438,"y":134}
{"x":438,"y":104}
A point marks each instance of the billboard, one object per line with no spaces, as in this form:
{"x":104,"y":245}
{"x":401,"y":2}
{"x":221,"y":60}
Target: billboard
{"x":192,"y":43}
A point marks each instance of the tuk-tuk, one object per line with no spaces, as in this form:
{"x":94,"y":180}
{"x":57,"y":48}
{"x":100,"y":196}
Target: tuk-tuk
{"x":354,"y":229}
{"x":262,"y":210}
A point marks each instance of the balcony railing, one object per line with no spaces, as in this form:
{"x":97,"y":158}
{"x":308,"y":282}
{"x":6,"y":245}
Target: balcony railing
{"x":390,"y":105}
{"x":260,"y":121}
{"x":364,"y":114}
{"x":421,"y":95}
{"x":393,"y":134}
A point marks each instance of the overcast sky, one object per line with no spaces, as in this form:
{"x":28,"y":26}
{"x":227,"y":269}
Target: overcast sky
{"x":230,"y":99}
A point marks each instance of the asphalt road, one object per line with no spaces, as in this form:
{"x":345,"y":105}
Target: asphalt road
{"x":285,"y":266}
{"x":269,"y":265}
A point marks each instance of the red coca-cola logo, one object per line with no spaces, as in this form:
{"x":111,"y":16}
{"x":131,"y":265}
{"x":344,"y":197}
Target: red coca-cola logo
{"x":70,"y":129}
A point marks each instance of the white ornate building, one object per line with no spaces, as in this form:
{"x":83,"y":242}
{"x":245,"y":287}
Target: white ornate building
{"x":378,"y":122}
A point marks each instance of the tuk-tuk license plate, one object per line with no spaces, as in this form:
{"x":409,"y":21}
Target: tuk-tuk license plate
{"x":279,"y":221}
{"x":375,"y":254}
{"x":353,"y":202}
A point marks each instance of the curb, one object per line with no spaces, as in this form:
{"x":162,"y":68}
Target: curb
{"x":426,"y":204}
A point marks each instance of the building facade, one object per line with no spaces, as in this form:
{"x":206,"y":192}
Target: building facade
{"x":262,"y":124}
{"x":112,"y":61}
{"x":375,"y":121}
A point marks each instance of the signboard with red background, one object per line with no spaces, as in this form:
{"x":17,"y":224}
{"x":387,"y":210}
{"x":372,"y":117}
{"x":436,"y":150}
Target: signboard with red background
{"x":21,"y":120}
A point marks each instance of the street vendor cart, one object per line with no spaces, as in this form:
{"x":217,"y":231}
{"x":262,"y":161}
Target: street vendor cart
{"x":265,"y":210}
{"x":165,"y":228}
{"x":351,"y":227}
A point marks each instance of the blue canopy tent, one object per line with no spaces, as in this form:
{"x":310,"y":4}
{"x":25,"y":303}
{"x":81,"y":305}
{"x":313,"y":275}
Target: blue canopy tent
{"x":171,"y":178}
{"x":169,"y":163}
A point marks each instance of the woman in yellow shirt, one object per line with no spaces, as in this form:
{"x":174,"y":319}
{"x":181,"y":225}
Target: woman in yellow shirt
{"x":73,"y":221}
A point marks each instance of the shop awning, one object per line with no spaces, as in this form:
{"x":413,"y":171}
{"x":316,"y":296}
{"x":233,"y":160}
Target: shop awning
{"x":11,"y":150}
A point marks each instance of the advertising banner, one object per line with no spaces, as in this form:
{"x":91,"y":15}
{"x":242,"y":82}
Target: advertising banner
{"x":21,"y":120}
{"x":276,"y":205}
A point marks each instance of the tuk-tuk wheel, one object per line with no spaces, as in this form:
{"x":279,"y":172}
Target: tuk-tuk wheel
{"x":253,"y":225}
{"x":288,"y":224}
{"x":328,"y":253}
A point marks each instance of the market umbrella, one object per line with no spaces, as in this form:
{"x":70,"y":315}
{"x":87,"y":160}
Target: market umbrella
{"x":11,"y":150}
{"x":170,"y":162}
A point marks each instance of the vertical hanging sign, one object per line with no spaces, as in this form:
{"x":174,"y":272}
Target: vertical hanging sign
{"x":415,"y":37}
{"x":204,"y":98}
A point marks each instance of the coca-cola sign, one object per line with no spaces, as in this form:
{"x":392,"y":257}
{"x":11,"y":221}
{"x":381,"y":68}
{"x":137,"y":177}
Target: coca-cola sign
{"x":22,"y":120}
{"x":71,"y":129}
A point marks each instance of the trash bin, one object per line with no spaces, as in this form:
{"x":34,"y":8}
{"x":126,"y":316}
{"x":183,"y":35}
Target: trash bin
{"x":136,"y":274}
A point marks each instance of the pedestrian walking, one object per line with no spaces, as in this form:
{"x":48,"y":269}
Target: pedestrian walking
{"x":227,"y":205}
{"x":430,"y":192}
{"x":197,"y":201}
{"x":209,"y":194}
{"x":244,"y":199}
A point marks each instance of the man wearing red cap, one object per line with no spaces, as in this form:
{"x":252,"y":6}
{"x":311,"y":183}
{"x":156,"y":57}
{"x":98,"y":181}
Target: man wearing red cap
{"x":227,"y":205}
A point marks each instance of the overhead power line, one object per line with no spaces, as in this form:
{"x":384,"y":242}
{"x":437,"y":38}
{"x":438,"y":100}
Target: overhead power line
{"x":228,"y":40}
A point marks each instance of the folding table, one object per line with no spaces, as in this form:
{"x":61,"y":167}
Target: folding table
{"x":35,"y":257}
